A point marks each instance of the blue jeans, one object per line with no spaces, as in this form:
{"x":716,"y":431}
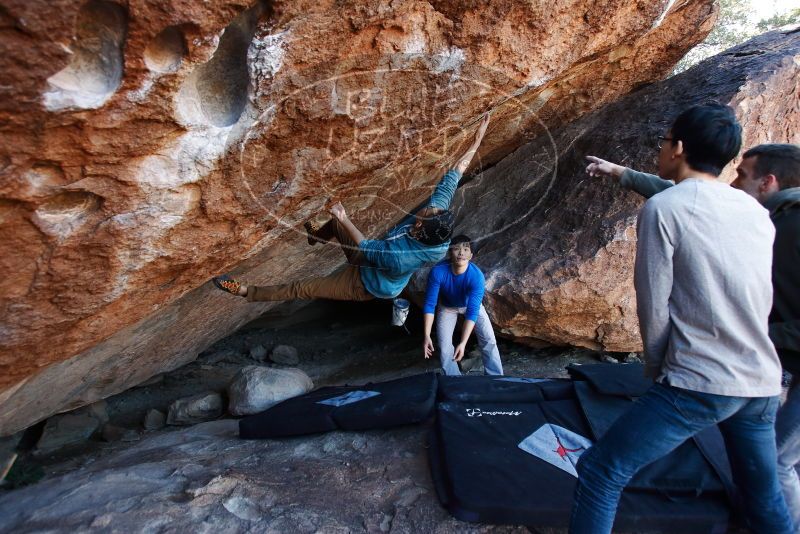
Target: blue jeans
{"x":659,"y":422}
{"x":787,"y":430}
{"x":445,"y":325}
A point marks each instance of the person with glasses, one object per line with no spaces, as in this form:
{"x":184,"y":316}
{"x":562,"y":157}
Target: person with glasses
{"x":770,"y":173}
{"x":703,"y":295}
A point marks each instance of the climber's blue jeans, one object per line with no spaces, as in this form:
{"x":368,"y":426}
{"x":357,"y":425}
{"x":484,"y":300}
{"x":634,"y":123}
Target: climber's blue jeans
{"x":659,"y":422}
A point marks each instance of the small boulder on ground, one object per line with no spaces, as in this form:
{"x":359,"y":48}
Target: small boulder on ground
{"x":285,"y":354}
{"x":472,"y":360}
{"x":632,"y":357}
{"x":195,"y":409}
{"x":154,"y":420}
{"x":66,"y":430}
{"x":213,"y":358}
{"x":256,"y":388}
{"x":98,"y":410}
{"x":258,"y":353}
{"x":113,"y":433}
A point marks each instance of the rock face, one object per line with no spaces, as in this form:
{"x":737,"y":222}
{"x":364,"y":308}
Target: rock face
{"x":256,"y":388}
{"x":66,"y":430}
{"x":154,"y":420}
{"x":258,"y":353}
{"x":146,"y":146}
{"x":558,"y":246}
{"x":285,"y":354}
{"x":195,"y":409}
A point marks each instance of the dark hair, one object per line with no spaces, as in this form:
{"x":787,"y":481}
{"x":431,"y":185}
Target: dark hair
{"x":711,"y":136}
{"x":461,"y":238}
{"x":779,"y":159}
{"x":436,"y":229}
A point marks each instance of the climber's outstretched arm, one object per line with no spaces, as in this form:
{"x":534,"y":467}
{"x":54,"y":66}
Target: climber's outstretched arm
{"x":645,"y":184}
{"x":463,"y":162}
{"x":446,"y":188}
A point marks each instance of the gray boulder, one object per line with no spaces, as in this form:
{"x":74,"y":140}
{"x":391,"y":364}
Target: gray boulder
{"x":98,"y":410}
{"x":632,"y":357}
{"x":258,"y":353}
{"x":213,"y":358}
{"x":285,"y":354}
{"x":154,"y":420}
{"x":255,"y":388}
{"x":195,"y":409}
{"x":112,"y":433}
{"x":66,"y":430}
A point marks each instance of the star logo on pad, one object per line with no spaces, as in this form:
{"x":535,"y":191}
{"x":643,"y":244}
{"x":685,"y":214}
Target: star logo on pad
{"x":557,"y":446}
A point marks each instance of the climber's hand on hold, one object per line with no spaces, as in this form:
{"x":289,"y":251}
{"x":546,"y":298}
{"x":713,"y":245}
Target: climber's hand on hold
{"x":338,"y":211}
{"x":466,"y":158}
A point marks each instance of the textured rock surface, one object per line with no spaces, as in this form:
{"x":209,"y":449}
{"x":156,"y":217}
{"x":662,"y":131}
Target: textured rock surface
{"x":149,"y":146}
{"x":71,"y":429}
{"x":118,"y":433}
{"x":154,"y":420}
{"x":558,"y":246}
{"x":66,"y":430}
{"x":195,"y":409}
{"x":206,"y":479}
{"x":256,"y":388}
{"x":285,"y":354}
{"x":258,"y":353}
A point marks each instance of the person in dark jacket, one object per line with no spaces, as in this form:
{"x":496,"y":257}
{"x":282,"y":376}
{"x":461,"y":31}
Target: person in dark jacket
{"x":770,"y":173}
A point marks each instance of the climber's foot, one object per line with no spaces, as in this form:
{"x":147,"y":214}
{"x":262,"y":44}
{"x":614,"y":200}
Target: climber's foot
{"x":230,"y":285}
{"x":311,"y":229}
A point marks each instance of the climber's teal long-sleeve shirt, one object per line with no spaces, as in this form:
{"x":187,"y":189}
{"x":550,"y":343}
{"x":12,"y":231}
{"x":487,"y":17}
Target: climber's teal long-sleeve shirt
{"x":396,"y":257}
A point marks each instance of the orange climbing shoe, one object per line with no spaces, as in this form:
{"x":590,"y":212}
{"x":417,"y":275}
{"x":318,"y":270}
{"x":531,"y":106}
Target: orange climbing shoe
{"x":311,"y":229}
{"x":227,"y":284}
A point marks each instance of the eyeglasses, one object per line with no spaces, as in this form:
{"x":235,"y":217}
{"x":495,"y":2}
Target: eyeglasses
{"x":661,"y":140}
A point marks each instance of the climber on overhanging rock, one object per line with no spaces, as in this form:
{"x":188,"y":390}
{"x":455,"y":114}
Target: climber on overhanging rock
{"x":376,"y":268}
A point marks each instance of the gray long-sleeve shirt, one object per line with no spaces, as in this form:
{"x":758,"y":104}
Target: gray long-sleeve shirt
{"x":703,"y":290}
{"x":784,"y":210}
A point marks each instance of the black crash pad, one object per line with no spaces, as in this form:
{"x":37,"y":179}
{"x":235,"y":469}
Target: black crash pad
{"x":620,"y":379}
{"x":374,"y":405}
{"x":493,"y":389}
{"x":488,"y":389}
{"x":685,"y":469}
{"x":482,"y":475}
